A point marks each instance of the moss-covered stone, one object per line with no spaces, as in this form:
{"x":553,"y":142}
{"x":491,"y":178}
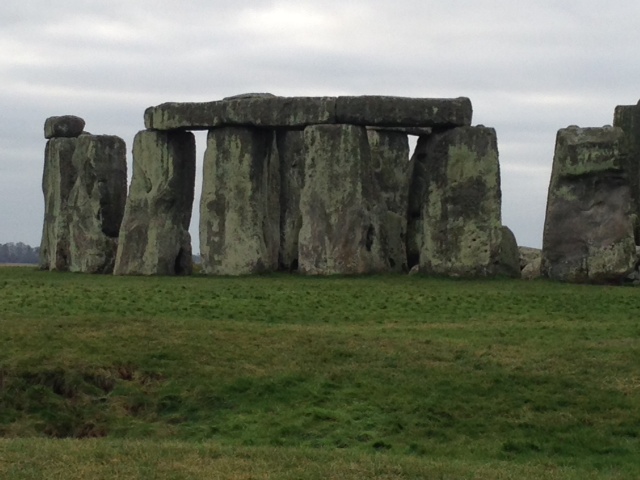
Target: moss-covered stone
{"x":627,"y":117}
{"x":292,"y":157}
{"x":375,"y":110}
{"x":461,"y":212}
{"x":58,"y":179}
{"x":390,"y":162}
{"x":240,"y":206}
{"x":97,"y":202}
{"x":416,"y":197}
{"x":259,"y":111}
{"x":588,"y":232}
{"x":341,"y":207}
{"x":154,"y":237}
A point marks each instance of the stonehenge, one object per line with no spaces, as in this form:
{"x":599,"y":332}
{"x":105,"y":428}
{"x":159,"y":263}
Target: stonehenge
{"x":328,"y":186}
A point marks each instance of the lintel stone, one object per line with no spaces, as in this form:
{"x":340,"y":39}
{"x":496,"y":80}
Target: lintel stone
{"x":299,"y":112}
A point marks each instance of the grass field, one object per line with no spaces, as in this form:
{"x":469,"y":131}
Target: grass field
{"x":272,"y":377}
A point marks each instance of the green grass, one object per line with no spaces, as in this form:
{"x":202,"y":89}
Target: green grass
{"x":372,"y":377}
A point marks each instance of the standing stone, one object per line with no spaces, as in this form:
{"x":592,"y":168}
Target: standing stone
{"x":627,"y":117}
{"x":341,"y":208}
{"x":292,"y":157}
{"x":154,"y":237}
{"x":390,"y":162}
{"x":239,"y":208}
{"x":416,"y":196}
{"x":461,"y":214}
{"x":57,"y":181}
{"x":97,"y":202}
{"x":588,"y":230}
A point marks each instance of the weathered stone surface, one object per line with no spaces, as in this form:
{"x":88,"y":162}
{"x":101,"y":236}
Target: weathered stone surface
{"x":97,"y":202}
{"x":154,"y":236}
{"x":263,"y":110}
{"x":461,"y":214}
{"x":292,"y":157}
{"x":341,"y":210}
{"x":260,"y":111}
{"x":390,"y":162}
{"x":63,"y":126}
{"x":239,"y":208}
{"x":508,"y":263}
{"x":418,"y":183}
{"x":57,"y":181}
{"x":372,"y":110}
{"x":627,"y":117}
{"x":528,"y":255}
{"x":532,"y":270}
{"x":588,"y":232}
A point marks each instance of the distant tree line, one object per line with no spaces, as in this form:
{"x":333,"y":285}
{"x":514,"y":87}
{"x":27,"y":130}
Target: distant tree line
{"x":18,"y":253}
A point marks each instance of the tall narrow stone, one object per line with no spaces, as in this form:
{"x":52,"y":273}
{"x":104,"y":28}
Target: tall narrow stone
{"x":239,"y":208}
{"x":57,"y":181}
{"x":627,"y":117}
{"x":341,"y":208}
{"x":390,"y":162}
{"x":417,"y":193}
{"x":97,"y":202}
{"x":292,"y":157}
{"x":461,"y":213}
{"x":154,"y":237}
{"x":588,"y":230}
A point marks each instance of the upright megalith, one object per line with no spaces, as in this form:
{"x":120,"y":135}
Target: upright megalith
{"x":96,"y":202}
{"x":461,"y":204}
{"x":154,"y":236}
{"x":240,"y":203}
{"x":340,"y":205}
{"x":627,"y":117}
{"x":390,"y":164}
{"x":588,"y":230}
{"x":57,"y":181}
{"x":291,"y":151}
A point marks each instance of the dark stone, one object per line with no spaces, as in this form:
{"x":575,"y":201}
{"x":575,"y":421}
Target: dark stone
{"x":292,"y":157}
{"x":372,"y":110}
{"x":68,"y":126}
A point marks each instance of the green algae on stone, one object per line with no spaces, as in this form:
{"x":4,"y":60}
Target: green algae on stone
{"x":240,"y":204}
{"x":154,"y":237}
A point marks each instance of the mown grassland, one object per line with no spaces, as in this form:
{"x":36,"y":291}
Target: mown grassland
{"x":291,"y":377}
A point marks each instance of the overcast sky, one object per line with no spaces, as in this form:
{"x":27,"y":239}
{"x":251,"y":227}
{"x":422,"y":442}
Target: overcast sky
{"x":529,"y":68}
